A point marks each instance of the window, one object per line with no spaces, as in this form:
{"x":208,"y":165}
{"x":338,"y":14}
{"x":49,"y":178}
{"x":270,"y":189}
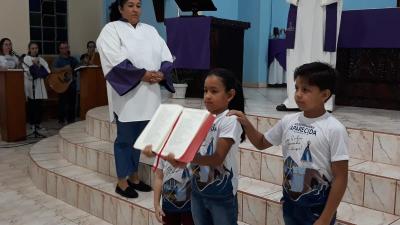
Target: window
{"x":48,"y":23}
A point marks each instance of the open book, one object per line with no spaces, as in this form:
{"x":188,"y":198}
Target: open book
{"x":175,"y":129}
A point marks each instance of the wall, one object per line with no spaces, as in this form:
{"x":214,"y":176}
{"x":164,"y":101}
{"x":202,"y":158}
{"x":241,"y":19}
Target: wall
{"x":258,"y":13}
{"x":368,"y":4}
{"x":85,"y":21}
{"x":14,"y":23}
{"x":280,"y":9}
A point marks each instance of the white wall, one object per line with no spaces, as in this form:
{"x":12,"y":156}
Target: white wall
{"x":85,"y":21}
{"x":14,"y":23}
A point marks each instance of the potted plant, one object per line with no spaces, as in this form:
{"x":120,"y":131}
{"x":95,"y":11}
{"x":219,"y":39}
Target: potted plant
{"x":180,"y":84}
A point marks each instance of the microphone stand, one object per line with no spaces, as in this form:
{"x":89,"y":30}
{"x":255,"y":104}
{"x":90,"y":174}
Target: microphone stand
{"x":35,"y":133}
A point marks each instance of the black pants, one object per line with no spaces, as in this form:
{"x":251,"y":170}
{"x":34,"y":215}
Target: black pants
{"x":35,"y":110}
{"x":66,"y":104}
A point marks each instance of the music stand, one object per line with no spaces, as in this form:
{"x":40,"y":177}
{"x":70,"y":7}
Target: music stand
{"x":195,"y":6}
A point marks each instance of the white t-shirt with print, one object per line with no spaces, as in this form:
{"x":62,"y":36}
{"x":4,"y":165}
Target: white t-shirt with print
{"x":176,"y":189}
{"x":309,"y":145}
{"x":222,"y":180}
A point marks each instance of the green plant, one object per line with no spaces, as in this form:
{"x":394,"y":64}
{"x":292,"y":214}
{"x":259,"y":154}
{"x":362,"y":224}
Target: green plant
{"x":179,"y":77}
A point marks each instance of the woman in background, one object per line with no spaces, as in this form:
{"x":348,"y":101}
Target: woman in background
{"x":91,"y":57}
{"x":8,"y":60}
{"x":36,"y":70}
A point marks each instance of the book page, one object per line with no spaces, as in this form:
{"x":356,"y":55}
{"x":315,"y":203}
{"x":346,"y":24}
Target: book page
{"x":159,"y":127}
{"x":185,"y":130}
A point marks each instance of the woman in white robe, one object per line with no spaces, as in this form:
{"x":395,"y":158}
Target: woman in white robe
{"x":135,"y":61}
{"x":36,"y":70}
{"x":310,"y":41}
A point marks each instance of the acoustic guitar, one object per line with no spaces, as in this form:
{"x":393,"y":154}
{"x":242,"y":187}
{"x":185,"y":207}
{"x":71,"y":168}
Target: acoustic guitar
{"x":60,"y":81}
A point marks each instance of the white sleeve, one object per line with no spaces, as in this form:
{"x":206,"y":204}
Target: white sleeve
{"x":230,"y":128}
{"x":339,"y":143}
{"x":109,"y":47}
{"x":274,"y":135}
{"x":328,"y":2}
{"x":165,"y":52}
{"x":3,"y":62}
{"x":27,"y":63}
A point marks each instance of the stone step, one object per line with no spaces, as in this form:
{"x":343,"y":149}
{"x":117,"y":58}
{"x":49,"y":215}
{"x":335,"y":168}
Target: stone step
{"x":94,"y":193}
{"x":368,"y":145}
{"x":86,"y":189}
{"x":371,"y":184}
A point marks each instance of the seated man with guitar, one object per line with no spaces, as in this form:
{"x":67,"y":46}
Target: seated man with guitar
{"x":63,"y":81}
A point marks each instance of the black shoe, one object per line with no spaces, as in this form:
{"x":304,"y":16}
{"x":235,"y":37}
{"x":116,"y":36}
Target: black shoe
{"x":282,"y":107}
{"x":140,"y":186}
{"x":129,"y":192}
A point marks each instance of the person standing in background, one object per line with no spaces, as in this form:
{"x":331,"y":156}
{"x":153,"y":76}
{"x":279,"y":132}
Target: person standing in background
{"x":36,"y":70}
{"x":66,"y":63}
{"x":91,"y":57}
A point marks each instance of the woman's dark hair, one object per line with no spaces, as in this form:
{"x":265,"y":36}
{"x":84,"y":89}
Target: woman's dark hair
{"x":114,"y":10}
{"x":90,"y":42}
{"x":29,"y":47}
{"x":230,"y":82}
{"x":2,"y":43}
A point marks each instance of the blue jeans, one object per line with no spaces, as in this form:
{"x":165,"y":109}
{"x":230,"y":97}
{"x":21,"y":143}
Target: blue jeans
{"x":214,"y":211}
{"x":300,"y":215}
{"x":126,"y":157}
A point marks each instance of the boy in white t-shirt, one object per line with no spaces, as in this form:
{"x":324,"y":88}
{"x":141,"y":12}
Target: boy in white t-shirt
{"x":315,"y":149}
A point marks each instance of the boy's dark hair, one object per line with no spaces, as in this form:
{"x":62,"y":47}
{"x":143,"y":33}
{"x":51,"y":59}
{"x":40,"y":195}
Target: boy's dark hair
{"x":230,"y":82}
{"x":319,"y":74}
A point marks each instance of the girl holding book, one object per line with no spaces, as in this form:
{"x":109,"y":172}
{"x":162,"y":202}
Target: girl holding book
{"x":214,"y":168}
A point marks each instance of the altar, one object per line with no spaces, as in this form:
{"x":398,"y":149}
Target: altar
{"x":368,"y":58}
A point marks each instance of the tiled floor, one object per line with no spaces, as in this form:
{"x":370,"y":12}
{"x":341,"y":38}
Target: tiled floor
{"x":262,"y":102}
{"x":21,"y":203}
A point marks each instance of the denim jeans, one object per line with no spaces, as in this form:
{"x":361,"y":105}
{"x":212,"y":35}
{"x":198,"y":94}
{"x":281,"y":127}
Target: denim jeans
{"x":300,"y":215}
{"x":214,"y":211}
{"x":126,"y":157}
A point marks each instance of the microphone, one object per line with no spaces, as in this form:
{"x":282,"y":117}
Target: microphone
{"x":20,"y":58}
{"x":14,"y":53}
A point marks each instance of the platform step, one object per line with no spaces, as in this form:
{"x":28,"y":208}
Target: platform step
{"x":94,"y":193}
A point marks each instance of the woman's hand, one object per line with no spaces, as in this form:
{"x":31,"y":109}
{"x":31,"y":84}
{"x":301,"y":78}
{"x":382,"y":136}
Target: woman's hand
{"x":153,"y":77}
{"x":159,"y":213}
{"x":35,"y":61}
